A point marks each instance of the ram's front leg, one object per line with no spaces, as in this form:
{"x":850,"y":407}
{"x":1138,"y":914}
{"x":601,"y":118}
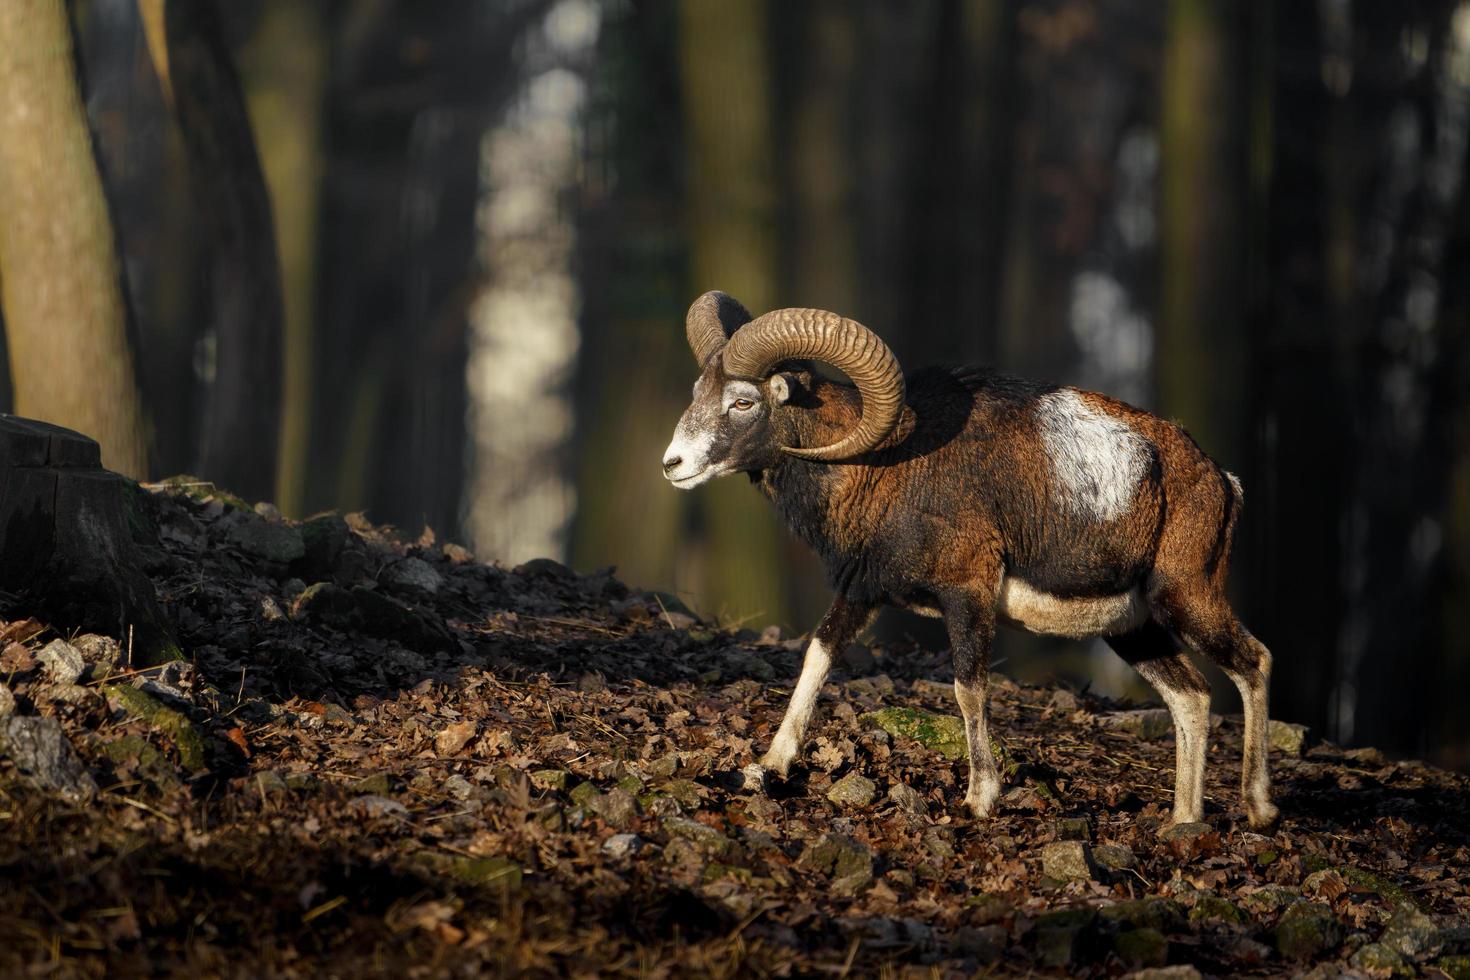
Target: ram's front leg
{"x":841,"y":624}
{"x":969,"y":616}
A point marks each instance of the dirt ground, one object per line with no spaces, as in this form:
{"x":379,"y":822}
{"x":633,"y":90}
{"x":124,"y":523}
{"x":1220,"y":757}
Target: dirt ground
{"x":388,"y":758}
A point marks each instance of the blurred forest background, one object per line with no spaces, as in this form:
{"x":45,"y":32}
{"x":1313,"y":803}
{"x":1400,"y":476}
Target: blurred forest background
{"x":431,"y":260}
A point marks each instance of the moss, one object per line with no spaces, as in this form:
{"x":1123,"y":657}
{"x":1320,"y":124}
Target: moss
{"x":944,"y":734}
{"x":482,"y":871}
{"x":1456,"y":967}
{"x":201,"y":490}
{"x":179,"y":729}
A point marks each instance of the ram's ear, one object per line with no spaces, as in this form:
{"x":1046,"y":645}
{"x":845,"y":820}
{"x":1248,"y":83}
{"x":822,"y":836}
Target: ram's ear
{"x":783,"y":387}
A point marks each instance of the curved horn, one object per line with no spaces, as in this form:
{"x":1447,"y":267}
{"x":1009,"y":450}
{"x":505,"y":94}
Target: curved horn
{"x":783,"y":335}
{"x":711,"y":320}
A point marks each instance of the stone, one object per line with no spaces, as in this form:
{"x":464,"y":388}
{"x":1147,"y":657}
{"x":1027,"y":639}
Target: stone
{"x":987,"y":909}
{"x":907,"y":799}
{"x":1183,"y":837}
{"x":323,"y":538}
{"x":1307,"y":930}
{"x":837,"y":856}
{"x":1161,"y":914}
{"x":702,"y":836}
{"x":43,"y":755}
{"x":944,"y":734}
{"x":550,"y":779}
{"x":1148,"y":724}
{"x":1411,"y":933}
{"x":1287,"y":738}
{"x":617,"y":807}
{"x":1380,"y":960}
{"x":373,"y":805}
{"x":62,"y":662}
{"x":1179,"y":972}
{"x":1144,"y":946}
{"x":1269,"y":898}
{"x":983,"y":943}
{"x":414,"y":575}
{"x":1454,"y":967}
{"x":1114,"y":857}
{"x":1213,"y":908}
{"x":280,"y":543}
{"x":103,"y":653}
{"x":497,"y":871}
{"x":171,"y":723}
{"x":7,"y":701}
{"x":1068,"y":860}
{"x":853,"y":790}
{"x":1073,"y":828}
{"x":622,"y":845}
{"x":1064,"y":701}
{"x":1061,"y":936}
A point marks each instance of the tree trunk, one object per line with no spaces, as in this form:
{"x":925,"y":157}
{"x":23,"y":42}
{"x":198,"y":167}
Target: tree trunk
{"x":65,"y":312}
{"x":241,"y":433}
{"x":732,"y":200}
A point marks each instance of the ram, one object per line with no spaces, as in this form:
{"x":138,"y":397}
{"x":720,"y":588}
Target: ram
{"x":982,"y":499}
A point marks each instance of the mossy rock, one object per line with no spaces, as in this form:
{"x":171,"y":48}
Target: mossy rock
{"x":1146,"y":947}
{"x":145,"y":758}
{"x":171,"y":723}
{"x":1212,"y":907}
{"x":1307,"y":930}
{"x":1456,"y":967}
{"x":482,"y":871}
{"x":200,"y":491}
{"x":944,"y":734}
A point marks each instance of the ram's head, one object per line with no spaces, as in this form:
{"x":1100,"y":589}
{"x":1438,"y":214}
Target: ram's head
{"x":731,"y":425}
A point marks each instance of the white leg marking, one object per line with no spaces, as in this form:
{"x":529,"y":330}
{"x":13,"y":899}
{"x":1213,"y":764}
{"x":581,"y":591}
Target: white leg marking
{"x":984,"y":780}
{"x":1191,"y":713}
{"x":1255,"y":773}
{"x":787,"y":743}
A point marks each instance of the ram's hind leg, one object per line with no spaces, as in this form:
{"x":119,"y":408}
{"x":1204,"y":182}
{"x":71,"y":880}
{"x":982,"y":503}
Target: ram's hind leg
{"x":1159,"y":660}
{"x":1211,"y":628}
{"x":843,"y":622}
{"x":970,"y":619}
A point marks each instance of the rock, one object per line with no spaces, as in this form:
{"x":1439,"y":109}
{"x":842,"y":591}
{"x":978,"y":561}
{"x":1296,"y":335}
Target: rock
{"x":454,"y":737}
{"x":1068,"y":860}
{"x":944,"y":734}
{"x":854,"y":790}
{"x":1454,"y":967}
{"x":1149,"y":724}
{"x":1180,"y":972}
{"x":1267,"y":899}
{"x":1411,"y":933}
{"x":984,"y":943}
{"x":498,"y":871}
{"x":550,"y":779}
{"x":987,"y":909}
{"x":1144,"y":946}
{"x":1061,"y":936}
{"x":40,"y":751}
{"x":1064,"y":701}
{"x":617,"y":807}
{"x":620,"y":846}
{"x":462,"y":789}
{"x":838,"y":857}
{"x":1307,"y":930}
{"x":1162,"y":914}
{"x":1380,"y":960}
{"x":373,"y":805}
{"x":414,"y":575}
{"x":1286,"y":737}
{"x":1073,"y":828}
{"x":270,"y":783}
{"x":7,"y":702}
{"x":323,"y":538}
{"x":907,"y":799}
{"x":103,"y":653}
{"x":377,"y":783}
{"x":875,"y":686}
{"x":1190,"y":840}
{"x":1114,"y":857}
{"x":705,"y":838}
{"x":173,"y":724}
{"x":545,"y":568}
{"x":62,"y":662}
{"x":1213,"y":908}
{"x":1367,"y":756}
{"x":280,"y":543}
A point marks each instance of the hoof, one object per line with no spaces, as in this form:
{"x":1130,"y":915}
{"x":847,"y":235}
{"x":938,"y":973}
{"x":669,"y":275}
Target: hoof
{"x":1263,"y":817}
{"x":754,"y":778}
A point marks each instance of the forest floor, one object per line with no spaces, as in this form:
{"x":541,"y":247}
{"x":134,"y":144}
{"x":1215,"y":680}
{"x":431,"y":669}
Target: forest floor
{"x":387,"y":758}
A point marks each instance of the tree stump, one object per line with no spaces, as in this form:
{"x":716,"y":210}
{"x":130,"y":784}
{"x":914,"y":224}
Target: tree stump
{"x":68,"y":552}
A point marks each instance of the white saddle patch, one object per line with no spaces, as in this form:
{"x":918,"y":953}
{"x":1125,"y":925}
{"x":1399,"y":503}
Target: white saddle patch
{"x":1097,"y":460}
{"x":1041,"y":612}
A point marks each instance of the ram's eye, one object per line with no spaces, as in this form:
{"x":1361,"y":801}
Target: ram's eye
{"x":742,"y":404}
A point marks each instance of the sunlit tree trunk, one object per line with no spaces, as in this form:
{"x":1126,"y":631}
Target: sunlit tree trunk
{"x":284,"y":70}
{"x":725,"y":70}
{"x":1201,"y":333}
{"x":60,"y":283}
